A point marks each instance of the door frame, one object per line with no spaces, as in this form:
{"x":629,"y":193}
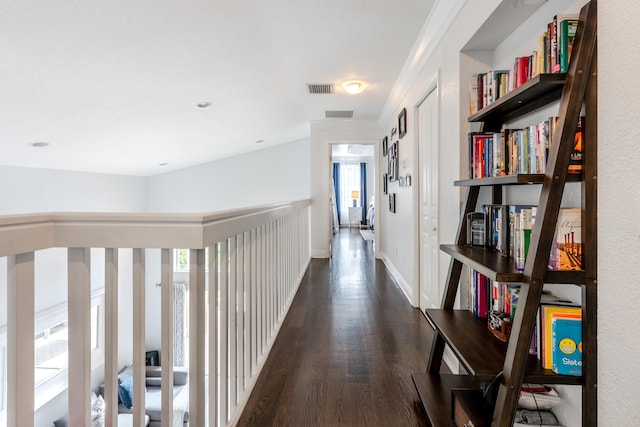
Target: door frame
{"x":377,"y":185}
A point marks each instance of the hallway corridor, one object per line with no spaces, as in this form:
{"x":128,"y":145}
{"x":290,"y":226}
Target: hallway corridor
{"x":346,"y":350}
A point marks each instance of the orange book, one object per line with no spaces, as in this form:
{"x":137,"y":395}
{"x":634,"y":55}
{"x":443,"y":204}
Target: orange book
{"x":547,"y":314}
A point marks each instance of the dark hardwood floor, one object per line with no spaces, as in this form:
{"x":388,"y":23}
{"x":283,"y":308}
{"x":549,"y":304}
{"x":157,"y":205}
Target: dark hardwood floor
{"x":346,"y":350}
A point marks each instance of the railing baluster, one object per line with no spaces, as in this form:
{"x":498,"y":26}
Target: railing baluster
{"x":233,"y":310}
{"x":247,"y":309}
{"x":223,"y":374}
{"x":20,"y":347}
{"x":214,"y":303}
{"x":166,"y":356}
{"x":197,"y":337}
{"x":254,"y":300}
{"x":139,"y":335}
{"x":79,"y":313}
{"x":111,"y":337}
{"x":239,"y":382}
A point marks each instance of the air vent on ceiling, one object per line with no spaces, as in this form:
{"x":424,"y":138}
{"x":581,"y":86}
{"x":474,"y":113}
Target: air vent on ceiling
{"x":338,"y":114}
{"x":316,"y":88}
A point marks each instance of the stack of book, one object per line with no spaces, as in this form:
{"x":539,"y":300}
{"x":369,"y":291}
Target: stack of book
{"x":552,"y":56}
{"x":519,"y":151}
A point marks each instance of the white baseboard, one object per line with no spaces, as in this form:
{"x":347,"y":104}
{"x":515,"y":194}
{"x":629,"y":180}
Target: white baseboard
{"x":402,"y":283}
{"x":319,"y":253}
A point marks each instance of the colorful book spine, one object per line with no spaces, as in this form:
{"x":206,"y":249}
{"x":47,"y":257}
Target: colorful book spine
{"x":567,"y":346}
{"x":566,"y":248}
{"x":546,"y":334}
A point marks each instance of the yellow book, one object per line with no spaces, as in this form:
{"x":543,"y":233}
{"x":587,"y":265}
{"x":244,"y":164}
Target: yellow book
{"x":547,"y":313}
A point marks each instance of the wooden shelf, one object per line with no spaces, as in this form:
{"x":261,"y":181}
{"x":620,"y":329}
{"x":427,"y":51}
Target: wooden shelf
{"x":532,"y":95}
{"x":482,"y":356}
{"x":435,"y":394}
{"x":521,"y":179}
{"x":502,"y":269}
{"x":481,"y":353}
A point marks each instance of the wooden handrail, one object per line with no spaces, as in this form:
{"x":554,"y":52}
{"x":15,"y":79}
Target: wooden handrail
{"x":29,"y":232}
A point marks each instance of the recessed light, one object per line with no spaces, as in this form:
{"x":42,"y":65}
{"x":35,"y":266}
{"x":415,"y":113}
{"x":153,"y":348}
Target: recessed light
{"x":354,"y":87}
{"x":260,"y":141}
{"x":163,"y":164}
{"x":39,"y":144}
{"x":203,"y":105}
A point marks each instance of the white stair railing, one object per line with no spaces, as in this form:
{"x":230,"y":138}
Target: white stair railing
{"x":257,"y":257}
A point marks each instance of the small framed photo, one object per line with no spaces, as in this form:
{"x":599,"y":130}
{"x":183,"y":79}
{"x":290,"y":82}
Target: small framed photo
{"x":385,"y":183}
{"x":402,"y":123}
{"x":392,"y":202}
{"x":385,"y":146}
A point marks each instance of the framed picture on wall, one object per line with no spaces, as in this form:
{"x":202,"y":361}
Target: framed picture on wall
{"x":393,"y":162}
{"x":402,"y":123}
{"x":385,"y":183}
{"x":385,"y":146}
{"x":392,"y":202}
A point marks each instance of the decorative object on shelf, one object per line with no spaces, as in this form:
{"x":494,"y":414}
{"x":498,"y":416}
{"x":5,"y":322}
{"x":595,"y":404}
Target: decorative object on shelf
{"x":393,"y":132}
{"x":385,"y":146}
{"x":392,"y":202}
{"x":402,"y":123}
{"x":385,"y":183}
{"x":404,"y":180}
{"x":355,"y":195}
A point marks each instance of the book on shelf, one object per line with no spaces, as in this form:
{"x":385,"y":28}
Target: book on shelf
{"x":575,"y":161}
{"x":558,"y":36}
{"x":545,"y":332}
{"x":479,"y":293}
{"x":567,"y":345}
{"x":552,"y":56}
{"x":520,"y":151}
{"x":487,"y":153}
{"x":566,"y":247}
{"x":568,"y":29}
{"x":520,"y":227}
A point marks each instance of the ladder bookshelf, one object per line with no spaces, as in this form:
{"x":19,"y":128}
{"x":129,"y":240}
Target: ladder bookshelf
{"x":483,"y":357}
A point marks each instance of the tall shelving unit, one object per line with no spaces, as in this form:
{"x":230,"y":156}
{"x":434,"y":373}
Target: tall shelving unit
{"x":483,"y":357}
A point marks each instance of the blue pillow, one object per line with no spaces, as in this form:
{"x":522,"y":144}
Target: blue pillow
{"x":125,"y":392}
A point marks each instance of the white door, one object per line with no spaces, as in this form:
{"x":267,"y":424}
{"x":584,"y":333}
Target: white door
{"x":430,"y":286}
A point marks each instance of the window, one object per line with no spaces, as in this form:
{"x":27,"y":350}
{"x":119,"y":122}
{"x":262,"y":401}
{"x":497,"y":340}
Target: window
{"x":52,"y":347}
{"x":181,"y":260}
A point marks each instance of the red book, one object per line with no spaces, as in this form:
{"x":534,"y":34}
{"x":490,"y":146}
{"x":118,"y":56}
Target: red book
{"x":523,"y":70}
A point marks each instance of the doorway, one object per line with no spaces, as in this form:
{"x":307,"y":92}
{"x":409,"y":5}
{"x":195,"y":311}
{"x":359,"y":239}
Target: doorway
{"x":353,"y":188}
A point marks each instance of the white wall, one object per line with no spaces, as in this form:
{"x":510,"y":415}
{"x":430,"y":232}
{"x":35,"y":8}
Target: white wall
{"x":618,"y":207}
{"x":275,"y":174}
{"x":323,"y":134}
{"x":28,"y":190}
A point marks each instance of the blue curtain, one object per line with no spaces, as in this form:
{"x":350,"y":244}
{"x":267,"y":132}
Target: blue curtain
{"x":336,"y":187}
{"x":363,"y":192}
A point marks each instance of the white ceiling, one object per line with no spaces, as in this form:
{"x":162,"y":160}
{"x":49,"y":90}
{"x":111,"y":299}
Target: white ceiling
{"x":112,"y":85}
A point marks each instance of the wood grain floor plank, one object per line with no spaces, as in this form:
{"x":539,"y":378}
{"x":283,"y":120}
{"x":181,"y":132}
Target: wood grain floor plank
{"x":346,"y":350}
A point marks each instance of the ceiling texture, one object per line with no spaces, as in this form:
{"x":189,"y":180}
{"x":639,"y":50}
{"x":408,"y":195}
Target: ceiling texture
{"x":112,"y":86}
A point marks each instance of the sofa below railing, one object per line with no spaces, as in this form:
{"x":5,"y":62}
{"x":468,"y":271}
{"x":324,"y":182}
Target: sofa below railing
{"x":238,"y":298}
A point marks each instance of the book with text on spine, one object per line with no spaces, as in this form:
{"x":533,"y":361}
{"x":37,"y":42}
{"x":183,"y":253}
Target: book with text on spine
{"x":567,"y":346}
{"x":566,"y":248}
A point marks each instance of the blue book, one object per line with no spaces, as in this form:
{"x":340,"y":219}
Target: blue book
{"x":567,"y":346}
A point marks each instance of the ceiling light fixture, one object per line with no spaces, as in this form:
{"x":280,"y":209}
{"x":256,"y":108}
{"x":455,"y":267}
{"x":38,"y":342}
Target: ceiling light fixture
{"x":260,"y":141}
{"x":354,"y":87}
{"x":39,"y":144}
{"x":203,"y":105}
{"x":163,"y":164}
